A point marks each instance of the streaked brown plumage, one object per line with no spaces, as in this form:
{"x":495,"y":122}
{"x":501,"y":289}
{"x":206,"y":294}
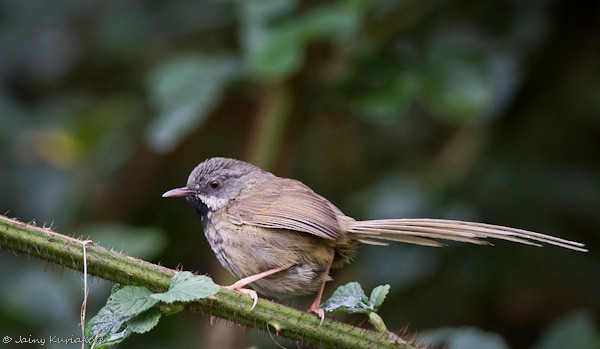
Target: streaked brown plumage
{"x":279,"y":236}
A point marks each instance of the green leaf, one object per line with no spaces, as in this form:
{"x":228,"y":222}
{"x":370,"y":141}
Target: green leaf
{"x":458,"y":92}
{"x":464,"y":338}
{"x":265,"y":10}
{"x":110,"y":326}
{"x":187,"y":287}
{"x":184,"y":90}
{"x":277,"y":52}
{"x":170,"y":309}
{"x":145,"y":321}
{"x":280,"y":53}
{"x":328,"y":21}
{"x":107,"y":328}
{"x":378,"y":296}
{"x":131,"y":301}
{"x":349,"y":298}
{"x":387,"y":99}
{"x":132,"y":308}
{"x":575,"y":330}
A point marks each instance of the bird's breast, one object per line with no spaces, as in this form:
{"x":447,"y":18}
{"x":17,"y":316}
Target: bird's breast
{"x":218,"y":238}
{"x":246,"y":250}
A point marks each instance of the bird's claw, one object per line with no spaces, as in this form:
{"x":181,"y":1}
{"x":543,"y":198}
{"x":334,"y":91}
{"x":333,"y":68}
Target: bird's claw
{"x":246,"y":291}
{"x":317,"y":310}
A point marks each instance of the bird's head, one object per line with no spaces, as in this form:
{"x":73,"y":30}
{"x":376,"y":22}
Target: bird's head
{"x":216,"y":181}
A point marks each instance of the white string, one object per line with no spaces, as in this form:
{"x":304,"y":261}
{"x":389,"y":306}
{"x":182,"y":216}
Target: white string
{"x":85,"y":294}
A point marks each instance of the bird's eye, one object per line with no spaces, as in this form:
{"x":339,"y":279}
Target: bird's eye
{"x":214,"y":184}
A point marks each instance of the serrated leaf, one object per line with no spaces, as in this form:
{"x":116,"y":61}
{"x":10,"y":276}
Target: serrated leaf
{"x":111,"y":325}
{"x":378,"y":296}
{"x":130,"y":308}
{"x":187,"y":287}
{"x":349,"y":298}
{"x":131,"y":301}
{"x":107,"y":328}
{"x":145,"y":321}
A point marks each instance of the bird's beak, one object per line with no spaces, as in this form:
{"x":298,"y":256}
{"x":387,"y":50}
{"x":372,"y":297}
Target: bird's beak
{"x":178,"y":192}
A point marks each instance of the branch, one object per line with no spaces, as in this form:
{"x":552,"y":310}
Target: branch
{"x":43,"y":243}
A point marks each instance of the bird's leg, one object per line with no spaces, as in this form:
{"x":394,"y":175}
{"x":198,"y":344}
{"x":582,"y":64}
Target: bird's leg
{"x":315,"y":307}
{"x":239,"y":285}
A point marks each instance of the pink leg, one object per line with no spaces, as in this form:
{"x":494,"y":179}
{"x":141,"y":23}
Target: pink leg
{"x":315,"y":307}
{"x":239,"y":285}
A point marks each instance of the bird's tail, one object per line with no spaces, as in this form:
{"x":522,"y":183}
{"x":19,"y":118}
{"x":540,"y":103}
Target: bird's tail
{"x":428,"y":231}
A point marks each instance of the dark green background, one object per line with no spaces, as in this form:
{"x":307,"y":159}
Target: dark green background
{"x":485,"y":111}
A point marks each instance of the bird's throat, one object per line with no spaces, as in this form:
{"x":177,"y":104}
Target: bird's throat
{"x":203,"y":211}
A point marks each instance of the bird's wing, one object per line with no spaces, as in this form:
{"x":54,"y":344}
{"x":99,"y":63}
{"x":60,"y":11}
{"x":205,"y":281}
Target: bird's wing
{"x":283,"y":203}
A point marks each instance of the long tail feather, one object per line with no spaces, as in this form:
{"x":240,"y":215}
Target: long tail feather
{"x":426,"y":231}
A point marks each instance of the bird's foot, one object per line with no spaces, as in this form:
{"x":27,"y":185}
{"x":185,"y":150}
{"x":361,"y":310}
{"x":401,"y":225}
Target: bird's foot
{"x":239,"y":285}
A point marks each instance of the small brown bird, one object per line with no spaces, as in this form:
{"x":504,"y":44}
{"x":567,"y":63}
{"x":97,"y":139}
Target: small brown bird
{"x":282,"y":238}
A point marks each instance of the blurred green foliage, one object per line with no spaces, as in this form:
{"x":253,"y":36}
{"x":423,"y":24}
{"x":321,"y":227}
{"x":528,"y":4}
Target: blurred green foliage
{"x":488,"y":111}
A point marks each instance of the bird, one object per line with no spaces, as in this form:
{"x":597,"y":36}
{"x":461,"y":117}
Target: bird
{"x":279,"y":237}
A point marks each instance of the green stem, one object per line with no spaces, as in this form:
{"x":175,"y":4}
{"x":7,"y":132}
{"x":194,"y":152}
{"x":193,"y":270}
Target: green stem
{"x":288,"y":322}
